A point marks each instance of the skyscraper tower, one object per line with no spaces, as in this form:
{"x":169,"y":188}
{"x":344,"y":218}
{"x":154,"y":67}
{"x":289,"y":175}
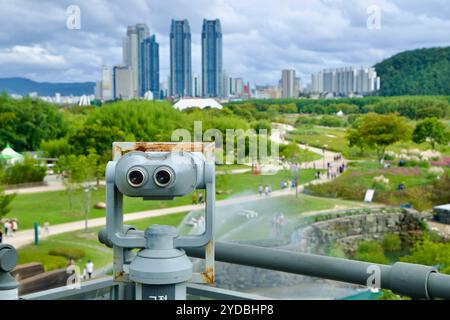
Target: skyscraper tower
{"x":132,"y":53}
{"x":180,"y":59}
{"x":212,"y":68}
{"x":149,"y":67}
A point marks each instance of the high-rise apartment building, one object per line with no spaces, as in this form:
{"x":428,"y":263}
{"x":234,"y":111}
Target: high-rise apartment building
{"x":289,"y":87}
{"x":149,"y":67}
{"x":123,"y":82}
{"x":346,"y":81}
{"x":225,"y":85}
{"x":107,"y":90}
{"x":180,"y":59}
{"x":212,"y":68}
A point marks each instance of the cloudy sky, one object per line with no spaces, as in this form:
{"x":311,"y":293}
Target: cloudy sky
{"x":261,"y":37}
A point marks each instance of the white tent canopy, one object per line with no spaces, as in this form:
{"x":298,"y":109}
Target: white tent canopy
{"x":10,"y":156}
{"x":197,"y":103}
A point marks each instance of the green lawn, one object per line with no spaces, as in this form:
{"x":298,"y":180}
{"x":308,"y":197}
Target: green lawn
{"x":53,"y":206}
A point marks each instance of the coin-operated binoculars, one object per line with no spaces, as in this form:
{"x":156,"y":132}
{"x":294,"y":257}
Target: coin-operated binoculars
{"x":8,"y":261}
{"x":158,"y":171}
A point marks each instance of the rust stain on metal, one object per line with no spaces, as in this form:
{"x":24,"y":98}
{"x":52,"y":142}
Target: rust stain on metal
{"x":164,"y":147}
{"x":208,"y":275}
{"x":119,"y":276}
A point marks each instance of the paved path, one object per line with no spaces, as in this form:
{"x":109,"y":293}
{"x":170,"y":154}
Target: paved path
{"x":326,"y":157}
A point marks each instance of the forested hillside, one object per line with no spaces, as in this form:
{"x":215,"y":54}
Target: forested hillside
{"x":418,"y":72}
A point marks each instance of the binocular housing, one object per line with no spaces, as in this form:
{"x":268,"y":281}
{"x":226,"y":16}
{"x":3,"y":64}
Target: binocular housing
{"x":160,"y":175}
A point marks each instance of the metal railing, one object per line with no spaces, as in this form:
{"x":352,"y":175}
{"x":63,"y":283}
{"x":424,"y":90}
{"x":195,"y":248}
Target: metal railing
{"x":416,"y":281}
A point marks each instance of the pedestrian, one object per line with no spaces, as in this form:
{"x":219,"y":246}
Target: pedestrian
{"x":8,"y":228}
{"x":46,"y":227}
{"x":14,"y":226}
{"x":200,"y":198}
{"x":260,"y":190}
{"x":194,"y":198}
{"x":1,"y":236}
{"x":267,"y":190}
{"x":70,"y":262}
{"x":89,"y":268}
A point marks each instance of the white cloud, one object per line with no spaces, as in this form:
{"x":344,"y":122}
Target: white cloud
{"x":34,"y":55}
{"x":260,"y":36}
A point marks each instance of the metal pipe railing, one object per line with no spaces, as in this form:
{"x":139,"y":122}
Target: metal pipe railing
{"x":415,"y":281}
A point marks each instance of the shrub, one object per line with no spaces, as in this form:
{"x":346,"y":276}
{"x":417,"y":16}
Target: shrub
{"x":392,"y":242}
{"x":430,"y":253}
{"x":67,"y":253}
{"x":24,"y":172}
{"x":371,"y":251}
{"x":332,"y":121}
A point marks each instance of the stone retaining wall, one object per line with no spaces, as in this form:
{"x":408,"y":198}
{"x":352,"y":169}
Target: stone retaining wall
{"x":348,"y":231}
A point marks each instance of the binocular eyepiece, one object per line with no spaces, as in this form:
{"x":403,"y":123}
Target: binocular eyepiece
{"x":160,"y":175}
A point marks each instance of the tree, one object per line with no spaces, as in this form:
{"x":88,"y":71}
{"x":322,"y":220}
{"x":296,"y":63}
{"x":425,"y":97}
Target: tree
{"x":77,"y":170}
{"x":433,"y":131}
{"x":379,"y":132}
{"x":26,"y":122}
{"x":5,"y":203}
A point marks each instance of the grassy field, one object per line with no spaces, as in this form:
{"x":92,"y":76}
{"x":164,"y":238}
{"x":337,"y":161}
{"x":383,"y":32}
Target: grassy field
{"x":335,"y":140}
{"x":54,"y":207}
{"x":229,"y":226}
{"x":420,"y":185}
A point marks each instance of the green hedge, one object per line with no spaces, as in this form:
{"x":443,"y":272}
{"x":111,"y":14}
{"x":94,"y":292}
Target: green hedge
{"x":67,"y":253}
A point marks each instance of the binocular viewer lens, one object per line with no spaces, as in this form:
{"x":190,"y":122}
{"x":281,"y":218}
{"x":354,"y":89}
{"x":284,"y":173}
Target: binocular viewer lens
{"x":137,"y":177}
{"x":162,"y":177}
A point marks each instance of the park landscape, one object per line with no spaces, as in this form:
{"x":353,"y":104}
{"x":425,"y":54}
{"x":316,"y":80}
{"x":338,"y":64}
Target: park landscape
{"x":397,"y":146}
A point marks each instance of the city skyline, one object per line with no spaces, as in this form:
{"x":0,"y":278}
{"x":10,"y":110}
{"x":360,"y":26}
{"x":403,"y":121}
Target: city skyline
{"x":291,"y":36}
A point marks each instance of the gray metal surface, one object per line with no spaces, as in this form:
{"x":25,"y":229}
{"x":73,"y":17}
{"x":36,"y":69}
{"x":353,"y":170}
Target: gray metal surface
{"x":8,"y":261}
{"x":412,"y":280}
{"x":65,"y":293}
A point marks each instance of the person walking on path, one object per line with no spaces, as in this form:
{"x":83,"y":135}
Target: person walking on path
{"x":1,"y":236}
{"x":194,"y":198}
{"x":46,"y":228}
{"x":8,"y":228}
{"x":260,"y":190}
{"x":89,"y":268}
{"x":14,"y":226}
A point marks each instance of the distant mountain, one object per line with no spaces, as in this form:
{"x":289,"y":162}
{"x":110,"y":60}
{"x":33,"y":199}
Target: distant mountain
{"x":418,"y":72}
{"x":24,"y":86}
